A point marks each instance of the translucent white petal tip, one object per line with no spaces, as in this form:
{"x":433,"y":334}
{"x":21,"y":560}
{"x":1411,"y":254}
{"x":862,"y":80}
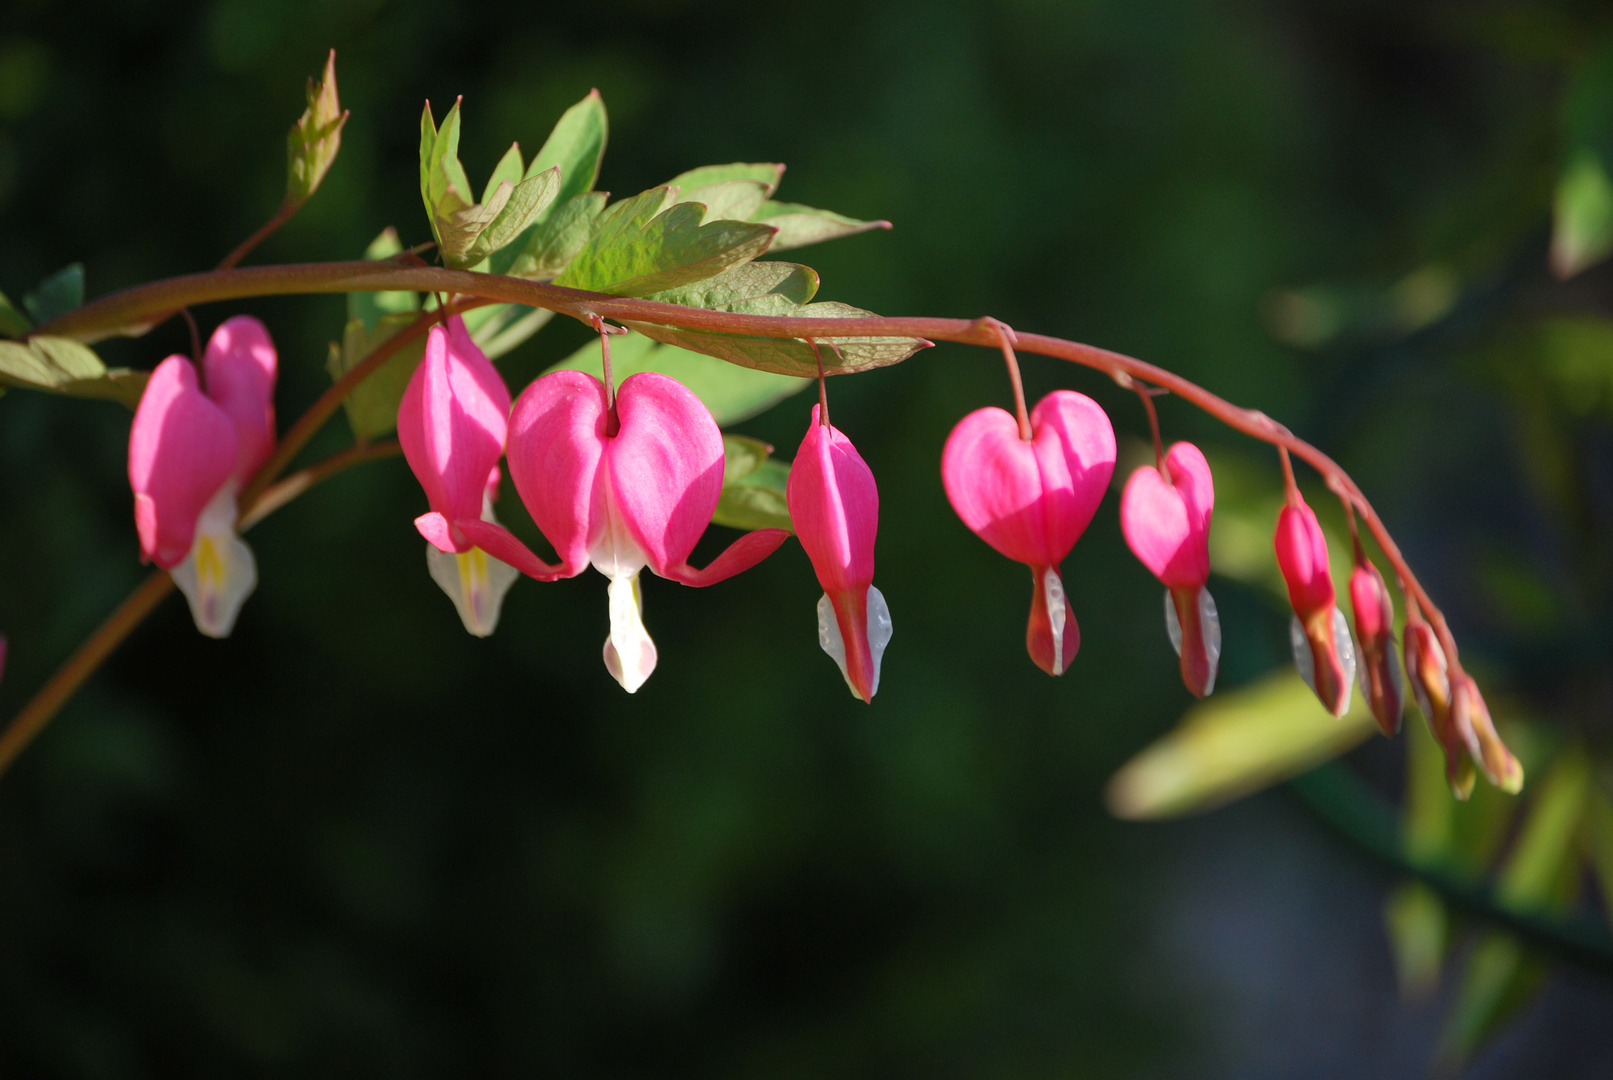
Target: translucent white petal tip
{"x":1209,"y":628}
{"x":1053,"y":597}
{"x":476,"y":583}
{"x":629,"y":652}
{"x":1343,"y":647}
{"x":879,"y":635}
{"x":220,"y":572}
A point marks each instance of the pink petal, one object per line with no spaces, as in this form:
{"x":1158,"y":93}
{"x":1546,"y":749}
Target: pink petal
{"x":664,"y":467}
{"x":557,"y":438}
{"x":452,"y":422}
{"x":834,"y":507}
{"x":240,"y":364}
{"x":1302,"y":558}
{"x":182,"y":450}
{"x":739,"y":556}
{"x":504,"y":546}
{"x":1031,"y":500}
{"x":1167,"y":525}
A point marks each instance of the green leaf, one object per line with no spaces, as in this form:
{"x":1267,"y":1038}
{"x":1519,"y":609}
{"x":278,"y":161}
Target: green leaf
{"x":13,"y":323}
{"x":1428,"y":826}
{"x":315,"y":138}
{"x":512,"y":326}
{"x":799,"y":225}
{"x":732,"y":394}
{"x":1417,"y":923}
{"x":58,"y":294}
{"x":639,"y":249}
{"x":526,"y":202}
{"x":372,"y":407}
{"x":509,"y":169}
{"x":1498,"y":980}
{"x":741,"y":456}
{"x":444,"y":188}
{"x":370,"y":307}
{"x":1235,"y":744}
{"x":767,"y":174}
{"x":576,"y":146}
{"x":735,"y":200}
{"x":756,"y":500}
{"x":793,"y":356}
{"x":555,"y":240}
{"x":62,"y":366}
{"x":1582,"y":215}
{"x":754,"y":288}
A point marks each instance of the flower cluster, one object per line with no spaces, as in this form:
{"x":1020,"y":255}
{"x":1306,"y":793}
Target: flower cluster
{"x":627,"y":479}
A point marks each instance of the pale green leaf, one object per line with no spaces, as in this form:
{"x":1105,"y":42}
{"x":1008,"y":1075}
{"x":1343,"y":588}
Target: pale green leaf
{"x":633,"y":254}
{"x":62,"y":366}
{"x":767,"y":174}
{"x":525,"y":203}
{"x":757,"y":501}
{"x":731,"y":393}
{"x":372,"y":407}
{"x":742,"y":456}
{"x":13,"y":323}
{"x":793,"y":356}
{"x":1582,"y":215}
{"x":555,"y":240}
{"x":1416,"y":920}
{"x":369,"y":307}
{"x":1234,"y":744}
{"x":799,"y":225}
{"x":1498,"y":979}
{"x":754,"y":288}
{"x":735,"y":200}
{"x":58,"y":294}
{"x":515,"y":325}
{"x":576,"y":145}
{"x":315,"y":138}
{"x":509,"y":168}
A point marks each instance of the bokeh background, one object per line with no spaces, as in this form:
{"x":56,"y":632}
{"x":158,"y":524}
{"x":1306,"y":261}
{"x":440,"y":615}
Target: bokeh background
{"x":354,"y":841}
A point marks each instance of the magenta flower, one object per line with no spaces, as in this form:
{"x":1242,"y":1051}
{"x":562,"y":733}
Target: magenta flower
{"x":190,"y":451}
{"x":621,"y":488}
{"x":1031,"y":499}
{"x":1165,"y":517}
{"x":451,"y":423}
{"x":1378,"y":666}
{"x":834,"y":507}
{"x":1318,"y":634}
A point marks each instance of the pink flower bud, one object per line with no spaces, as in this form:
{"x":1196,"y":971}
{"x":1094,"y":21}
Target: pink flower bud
{"x":1166,"y":522}
{"x":625,"y":496}
{"x":834,"y":507}
{"x":1032,"y":499}
{"x":1431,"y":685}
{"x":1378,"y":665}
{"x":1319,"y":636}
{"x":190,"y":451}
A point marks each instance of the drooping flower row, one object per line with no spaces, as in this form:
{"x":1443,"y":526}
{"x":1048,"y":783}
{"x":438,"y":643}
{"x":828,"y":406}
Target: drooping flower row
{"x":624,"y":480}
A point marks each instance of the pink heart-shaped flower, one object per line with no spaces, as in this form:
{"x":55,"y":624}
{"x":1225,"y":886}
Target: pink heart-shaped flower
{"x":1167,"y":522}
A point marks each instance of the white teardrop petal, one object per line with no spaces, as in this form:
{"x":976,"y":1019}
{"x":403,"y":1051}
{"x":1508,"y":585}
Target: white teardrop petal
{"x":1210,"y":633}
{"x":216,"y":578}
{"x":829,"y":639}
{"x":1173,"y":624}
{"x":879,"y":631}
{"x":1053,"y":597}
{"x":476,"y":583}
{"x":1343,"y":648}
{"x":629,"y":653}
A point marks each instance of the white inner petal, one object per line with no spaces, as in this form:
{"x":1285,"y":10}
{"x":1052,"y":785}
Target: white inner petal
{"x":1209,"y":633}
{"x":1053,"y":597}
{"x":476,"y":583}
{"x":879,"y":631}
{"x":879,"y":635}
{"x":1343,"y":648}
{"x":219,"y":573}
{"x":614,"y":552}
{"x":629,"y":652}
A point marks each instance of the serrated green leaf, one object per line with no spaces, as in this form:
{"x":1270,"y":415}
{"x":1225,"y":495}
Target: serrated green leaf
{"x":1233,"y":745}
{"x":639,"y":249}
{"x":1582,"y":215}
{"x":13,"y":323}
{"x":793,"y":356}
{"x":577,"y":146}
{"x":731,"y":393}
{"x":444,"y":188}
{"x":735,"y":200}
{"x":372,"y":407}
{"x":525,"y":203}
{"x":62,"y":366}
{"x":58,"y":294}
{"x":370,"y":307}
{"x":555,"y":240}
{"x":799,"y":225}
{"x":767,"y":174}
{"x":754,"y":288}
{"x":509,"y":168}
{"x":1416,"y":921}
{"x":315,"y":138}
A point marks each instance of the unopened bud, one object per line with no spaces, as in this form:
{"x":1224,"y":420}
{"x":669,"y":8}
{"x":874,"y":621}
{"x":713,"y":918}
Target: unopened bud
{"x":1194,"y":627}
{"x":1378,"y":666}
{"x":1319,"y":635}
{"x":1470,"y":718}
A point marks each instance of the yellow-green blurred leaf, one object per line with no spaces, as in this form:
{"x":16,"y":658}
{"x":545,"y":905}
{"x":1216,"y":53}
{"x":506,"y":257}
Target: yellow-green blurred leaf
{"x":315,"y":138}
{"x":1599,"y":840}
{"x":1582,"y":215}
{"x":1416,"y":920}
{"x":62,"y":366}
{"x":13,"y":323}
{"x":1234,"y":744}
{"x":742,"y":456}
{"x":372,"y":407}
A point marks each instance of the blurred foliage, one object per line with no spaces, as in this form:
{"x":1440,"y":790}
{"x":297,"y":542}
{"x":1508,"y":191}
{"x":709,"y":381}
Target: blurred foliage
{"x":354,"y":840}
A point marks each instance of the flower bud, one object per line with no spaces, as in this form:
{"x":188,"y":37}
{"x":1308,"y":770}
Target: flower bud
{"x":1378,"y":665}
{"x":1431,"y":685}
{"x":1319,"y":636}
{"x":1470,"y":718}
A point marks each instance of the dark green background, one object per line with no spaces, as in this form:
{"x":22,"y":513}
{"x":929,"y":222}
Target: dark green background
{"x":354,"y":841}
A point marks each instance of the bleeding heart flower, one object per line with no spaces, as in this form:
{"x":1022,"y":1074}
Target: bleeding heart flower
{"x":1379,"y":663}
{"x":1318,"y":634}
{"x":1165,"y":517}
{"x":451,"y":423}
{"x":620,"y":488}
{"x":1031,"y":499}
{"x":834,"y":506}
{"x":190,"y":451}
